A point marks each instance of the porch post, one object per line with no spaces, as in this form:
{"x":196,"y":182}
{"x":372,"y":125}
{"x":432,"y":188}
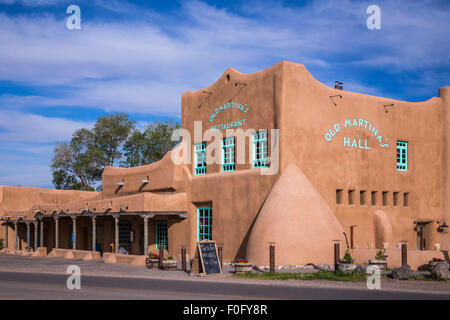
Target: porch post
{"x":145,"y":235}
{"x":56,"y":232}
{"x":116,"y":238}
{"x":35,"y":235}
{"x":74,"y":233}
{"x":28,"y":235}
{"x":15,"y":235}
{"x":94,"y":236}
{"x":6,"y":235}
{"x":42,"y":232}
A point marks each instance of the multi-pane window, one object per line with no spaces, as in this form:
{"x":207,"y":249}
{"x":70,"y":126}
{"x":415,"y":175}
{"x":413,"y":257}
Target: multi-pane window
{"x":260,"y":153}
{"x":200,"y":158}
{"x":204,"y":224}
{"x":402,"y":155}
{"x":228,"y":154}
{"x":124,"y":232}
{"x":161,"y":234}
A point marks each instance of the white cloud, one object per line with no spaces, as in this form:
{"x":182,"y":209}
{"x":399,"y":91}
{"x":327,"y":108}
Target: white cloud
{"x":32,"y":3}
{"x":18,"y":126}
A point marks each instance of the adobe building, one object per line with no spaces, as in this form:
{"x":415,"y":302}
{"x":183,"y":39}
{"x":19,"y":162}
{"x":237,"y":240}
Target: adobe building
{"x":322,"y":164}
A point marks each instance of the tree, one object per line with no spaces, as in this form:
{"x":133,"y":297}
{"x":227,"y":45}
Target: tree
{"x":110,"y":132}
{"x":151,"y":145}
{"x":79,"y":163}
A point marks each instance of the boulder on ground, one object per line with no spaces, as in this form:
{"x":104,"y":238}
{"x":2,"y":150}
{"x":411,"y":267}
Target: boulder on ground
{"x":401,"y":273}
{"x":362,"y":268}
{"x":440,"y":270}
{"x":347,"y":267}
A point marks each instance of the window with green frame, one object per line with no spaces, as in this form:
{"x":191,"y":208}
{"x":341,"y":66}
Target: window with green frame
{"x":402,"y":155}
{"x":200,"y":158}
{"x":204,"y":224}
{"x":228,"y":154}
{"x":162,"y":234}
{"x":260,"y":154}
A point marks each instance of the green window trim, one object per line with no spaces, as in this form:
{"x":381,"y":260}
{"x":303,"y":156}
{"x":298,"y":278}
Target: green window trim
{"x":402,"y":156}
{"x":162,"y":239}
{"x":200,"y":158}
{"x":228,"y":154}
{"x":260,"y":153}
{"x":204,"y":223}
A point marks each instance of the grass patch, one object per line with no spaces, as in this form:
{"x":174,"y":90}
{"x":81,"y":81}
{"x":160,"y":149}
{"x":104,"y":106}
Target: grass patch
{"x":426,"y":278}
{"x":320,"y":275}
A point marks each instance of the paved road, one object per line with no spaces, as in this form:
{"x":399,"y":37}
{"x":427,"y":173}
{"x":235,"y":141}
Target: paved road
{"x":18,"y":285}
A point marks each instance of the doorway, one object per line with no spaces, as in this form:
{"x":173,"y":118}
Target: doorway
{"x":422,"y":235}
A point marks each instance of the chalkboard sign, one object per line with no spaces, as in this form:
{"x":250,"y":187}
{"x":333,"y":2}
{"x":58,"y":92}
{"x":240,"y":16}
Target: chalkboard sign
{"x":209,"y":257}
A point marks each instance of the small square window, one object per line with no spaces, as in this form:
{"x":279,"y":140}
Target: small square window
{"x":362,"y":197}
{"x":350,"y":196}
{"x":406,"y":199}
{"x":385,"y":198}
{"x":339,"y":196}
{"x":374,"y":197}
{"x":395,"y":199}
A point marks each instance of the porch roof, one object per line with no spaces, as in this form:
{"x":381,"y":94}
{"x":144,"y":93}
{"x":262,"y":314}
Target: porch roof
{"x":143,"y":203}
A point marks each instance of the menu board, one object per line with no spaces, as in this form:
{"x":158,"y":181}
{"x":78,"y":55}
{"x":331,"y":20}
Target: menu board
{"x":209,"y":258}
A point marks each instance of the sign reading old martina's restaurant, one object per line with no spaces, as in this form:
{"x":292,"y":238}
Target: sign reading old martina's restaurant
{"x":231,"y":124}
{"x":356,"y":142}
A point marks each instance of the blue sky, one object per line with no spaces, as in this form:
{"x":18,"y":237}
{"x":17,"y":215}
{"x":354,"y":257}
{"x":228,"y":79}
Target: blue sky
{"x":139,"y":56}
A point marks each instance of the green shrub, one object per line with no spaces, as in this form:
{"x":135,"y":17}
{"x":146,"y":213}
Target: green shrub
{"x":1,"y":244}
{"x":347,"y":257}
{"x":380,"y":254}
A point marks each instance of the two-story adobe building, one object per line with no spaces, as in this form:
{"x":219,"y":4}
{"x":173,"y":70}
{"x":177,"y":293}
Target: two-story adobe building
{"x":273,"y":156}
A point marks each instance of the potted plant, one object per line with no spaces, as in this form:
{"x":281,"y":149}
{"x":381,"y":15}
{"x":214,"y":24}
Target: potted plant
{"x":169,"y":264}
{"x":348,"y":263}
{"x":380,"y":259}
{"x":242,"y":266}
{"x":152,"y":261}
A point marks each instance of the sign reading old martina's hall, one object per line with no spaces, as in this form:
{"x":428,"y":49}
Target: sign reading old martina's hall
{"x":353,"y":141}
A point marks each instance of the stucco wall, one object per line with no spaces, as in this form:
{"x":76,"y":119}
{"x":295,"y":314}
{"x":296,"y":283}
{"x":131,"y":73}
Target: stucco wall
{"x":309,"y":113}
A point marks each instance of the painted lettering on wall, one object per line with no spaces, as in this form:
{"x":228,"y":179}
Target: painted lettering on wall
{"x":356,"y":142}
{"x":227,"y":106}
{"x":229,"y":125}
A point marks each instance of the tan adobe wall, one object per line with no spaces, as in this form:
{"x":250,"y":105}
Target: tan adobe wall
{"x":164,"y":177}
{"x":308,"y":115}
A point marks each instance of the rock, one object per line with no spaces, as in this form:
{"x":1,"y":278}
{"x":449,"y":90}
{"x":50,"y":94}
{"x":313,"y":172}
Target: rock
{"x":326,"y":267}
{"x":401,"y":273}
{"x":440,"y":270}
{"x":362,"y":268}
{"x":347,"y":267}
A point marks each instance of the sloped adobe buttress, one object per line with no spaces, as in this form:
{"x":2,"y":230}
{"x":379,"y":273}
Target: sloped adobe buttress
{"x":298,"y":220}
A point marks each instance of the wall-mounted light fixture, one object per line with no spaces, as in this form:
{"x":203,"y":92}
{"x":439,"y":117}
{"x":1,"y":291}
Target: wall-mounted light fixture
{"x":144,"y":181}
{"x":388,"y":105}
{"x":442,"y":226}
{"x":336,"y":95}
{"x":120,"y":184}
